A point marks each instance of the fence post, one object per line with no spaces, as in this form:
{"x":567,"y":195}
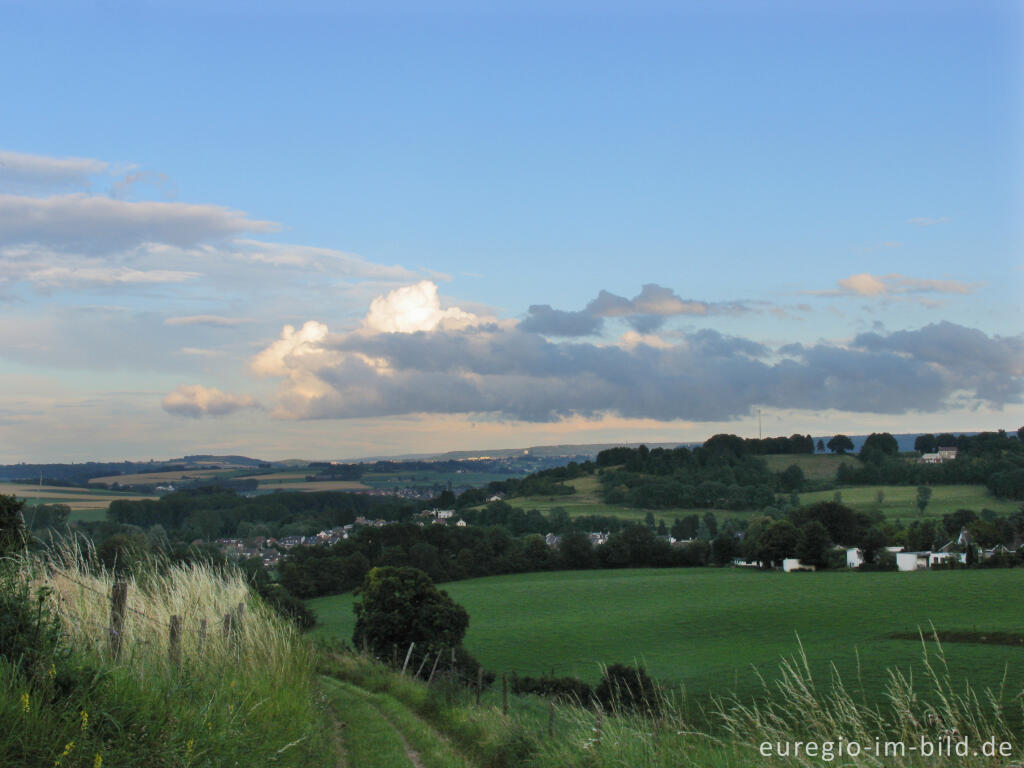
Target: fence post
{"x":598,"y":727}
{"x":394,"y":655}
{"x":426,"y":658}
{"x":504,"y":694}
{"x":202,"y":635}
{"x":226,"y":626}
{"x":118,"y":601}
{"x":174,"y":640}
{"x":479,"y":683}
{"x":434,"y":668}
{"x":408,"y":654}
{"x":239,"y":617}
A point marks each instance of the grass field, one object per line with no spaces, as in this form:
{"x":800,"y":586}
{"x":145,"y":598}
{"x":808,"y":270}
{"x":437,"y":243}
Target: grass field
{"x":710,"y":629}
{"x":817,"y":467}
{"x":149,"y":478}
{"x":900,"y":501}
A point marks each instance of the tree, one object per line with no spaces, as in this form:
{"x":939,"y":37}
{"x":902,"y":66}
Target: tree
{"x":879,"y":445}
{"x":12,"y":524}
{"x":399,"y":606}
{"x":840,"y":444}
{"x":821,"y":446}
{"x":791,"y":479}
{"x":924,"y":495}
{"x":925,"y":443}
{"x":813,"y":544}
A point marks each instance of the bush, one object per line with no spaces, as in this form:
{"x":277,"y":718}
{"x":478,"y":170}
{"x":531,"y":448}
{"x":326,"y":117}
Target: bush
{"x":568,"y":689}
{"x":30,"y":634}
{"x":623,"y":688}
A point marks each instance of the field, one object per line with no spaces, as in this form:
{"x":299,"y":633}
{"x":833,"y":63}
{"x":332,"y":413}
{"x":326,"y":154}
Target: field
{"x":816,"y":468}
{"x":711,"y":629}
{"x":151,"y":478}
{"x":900,"y":501}
{"x":78,"y":499}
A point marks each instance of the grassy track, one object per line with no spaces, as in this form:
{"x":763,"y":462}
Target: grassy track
{"x":710,"y":628}
{"x":380,"y":732}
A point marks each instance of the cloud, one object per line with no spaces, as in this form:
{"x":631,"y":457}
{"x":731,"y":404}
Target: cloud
{"x":196,"y":401}
{"x":89,"y":224}
{"x":865,"y":284}
{"x":925,"y":221}
{"x":413,"y":308}
{"x":325,"y":260}
{"x":516,"y":373}
{"x":21,"y":172}
{"x":556,"y":322}
{"x":214,"y":321}
{"x":656,"y":301}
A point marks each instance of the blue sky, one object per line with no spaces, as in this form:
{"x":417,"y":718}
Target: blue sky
{"x":825,"y":205}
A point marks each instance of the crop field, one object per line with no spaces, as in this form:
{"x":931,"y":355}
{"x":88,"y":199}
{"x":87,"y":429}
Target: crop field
{"x":900,"y":501}
{"x":428,"y":479}
{"x":75,"y":498}
{"x":712,"y":630}
{"x":149,"y":478}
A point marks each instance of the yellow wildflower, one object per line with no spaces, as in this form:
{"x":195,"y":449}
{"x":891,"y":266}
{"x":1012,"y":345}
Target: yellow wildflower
{"x":53,"y":671}
{"x":97,"y":761}
{"x":85,"y":719}
{"x":189,"y":746}
{"x":25,"y":706}
{"x":68,"y":748}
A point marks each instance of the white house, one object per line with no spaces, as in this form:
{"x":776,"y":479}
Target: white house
{"x":912,"y":561}
{"x":854,"y":557}
{"x":791,"y":564}
{"x":936,"y":558}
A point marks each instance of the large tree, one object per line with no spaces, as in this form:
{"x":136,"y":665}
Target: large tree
{"x":399,"y":606}
{"x":840,"y":444}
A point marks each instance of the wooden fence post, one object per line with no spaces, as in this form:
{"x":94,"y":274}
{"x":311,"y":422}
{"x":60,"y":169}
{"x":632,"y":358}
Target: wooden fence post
{"x":239,"y":618}
{"x":504,"y":693}
{"x":226,"y":626}
{"x":174,"y":640}
{"x":202,"y":635}
{"x":407,"y":655}
{"x":598,"y":727}
{"x":434,"y":668}
{"x":118,"y":602}
{"x":426,"y":657}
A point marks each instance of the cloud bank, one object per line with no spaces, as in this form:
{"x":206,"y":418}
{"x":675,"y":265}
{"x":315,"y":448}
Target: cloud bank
{"x":416,"y":365}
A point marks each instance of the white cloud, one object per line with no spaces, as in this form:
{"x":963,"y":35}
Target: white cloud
{"x":413,"y":308}
{"x":84,"y":223}
{"x":295,"y":348}
{"x":195,"y":401}
{"x":24,"y":172}
{"x":868,"y":285}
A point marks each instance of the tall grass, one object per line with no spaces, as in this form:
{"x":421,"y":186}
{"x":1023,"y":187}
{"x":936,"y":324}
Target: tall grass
{"x":242,"y":698}
{"x":794,"y":708}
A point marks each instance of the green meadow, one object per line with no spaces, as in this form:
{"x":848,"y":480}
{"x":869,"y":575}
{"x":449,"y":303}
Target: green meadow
{"x":715,"y":630}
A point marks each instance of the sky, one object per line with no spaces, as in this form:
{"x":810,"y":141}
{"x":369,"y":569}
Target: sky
{"x":336,"y":230}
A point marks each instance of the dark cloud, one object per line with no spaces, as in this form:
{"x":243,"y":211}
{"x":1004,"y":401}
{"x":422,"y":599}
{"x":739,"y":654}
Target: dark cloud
{"x":708,"y":376}
{"x":556,"y":322}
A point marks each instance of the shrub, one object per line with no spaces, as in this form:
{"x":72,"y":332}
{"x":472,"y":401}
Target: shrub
{"x":624,"y":688}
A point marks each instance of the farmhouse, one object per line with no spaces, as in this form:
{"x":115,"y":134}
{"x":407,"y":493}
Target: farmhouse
{"x":943,"y":454}
{"x":912,"y":561}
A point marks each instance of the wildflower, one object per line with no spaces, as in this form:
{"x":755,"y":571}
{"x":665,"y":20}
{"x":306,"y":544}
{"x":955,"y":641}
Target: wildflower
{"x":53,"y":671}
{"x":85,"y":719}
{"x":68,"y":748}
{"x":189,"y":747}
{"x":97,"y":761}
{"x":25,"y":706}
